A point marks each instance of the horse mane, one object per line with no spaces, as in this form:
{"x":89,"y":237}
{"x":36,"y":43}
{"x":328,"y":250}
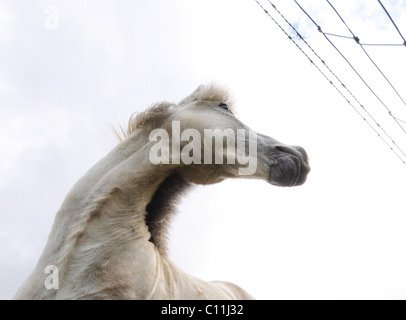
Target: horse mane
{"x":154,"y":115}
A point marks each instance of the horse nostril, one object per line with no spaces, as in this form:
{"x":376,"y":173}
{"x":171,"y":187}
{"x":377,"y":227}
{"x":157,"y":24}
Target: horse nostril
{"x":302,"y":152}
{"x":294,"y":150}
{"x":286,"y":149}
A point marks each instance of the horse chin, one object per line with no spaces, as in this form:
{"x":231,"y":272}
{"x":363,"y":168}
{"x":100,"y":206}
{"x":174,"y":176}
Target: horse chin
{"x":287,"y":172}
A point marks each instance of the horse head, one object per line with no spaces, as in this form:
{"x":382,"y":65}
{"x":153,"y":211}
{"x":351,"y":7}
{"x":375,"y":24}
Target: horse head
{"x":204,"y":142}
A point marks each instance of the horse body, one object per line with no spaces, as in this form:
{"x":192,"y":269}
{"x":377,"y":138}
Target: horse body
{"x":108,"y":240}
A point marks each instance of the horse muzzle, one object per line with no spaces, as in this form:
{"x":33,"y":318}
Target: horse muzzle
{"x":290,"y":166}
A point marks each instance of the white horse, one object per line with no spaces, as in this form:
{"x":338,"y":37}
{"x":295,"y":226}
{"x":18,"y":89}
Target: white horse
{"x":108,"y":240}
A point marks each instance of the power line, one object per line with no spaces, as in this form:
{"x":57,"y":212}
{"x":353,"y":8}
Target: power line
{"x":383,"y":44}
{"x":352,"y":38}
{"x":365,"y":44}
{"x":397,"y":120}
{"x":369,"y":57}
{"x":331,"y":82}
{"x":352,"y":67}
{"x":352,"y":95}
{"x":393,"y":22}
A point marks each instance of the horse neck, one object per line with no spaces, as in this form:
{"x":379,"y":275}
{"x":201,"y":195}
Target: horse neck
{"x":106,"y":209}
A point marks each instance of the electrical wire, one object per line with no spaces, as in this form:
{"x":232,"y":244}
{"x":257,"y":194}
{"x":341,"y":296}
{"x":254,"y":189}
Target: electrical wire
{"x":330,"y":81}
{"x":393,"y":22}
{"x":353,"y":68}
{"x":369,"y":57}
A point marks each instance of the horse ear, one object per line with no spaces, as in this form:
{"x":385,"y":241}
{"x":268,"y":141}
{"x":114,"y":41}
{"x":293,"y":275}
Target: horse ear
{"x":193,"y":96}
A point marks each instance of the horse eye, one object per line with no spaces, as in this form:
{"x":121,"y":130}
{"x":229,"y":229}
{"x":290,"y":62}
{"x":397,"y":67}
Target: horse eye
{"x":224,"y":106}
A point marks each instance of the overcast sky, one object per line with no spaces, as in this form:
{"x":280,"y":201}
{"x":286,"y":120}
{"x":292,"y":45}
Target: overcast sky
{"x":70,"y":69}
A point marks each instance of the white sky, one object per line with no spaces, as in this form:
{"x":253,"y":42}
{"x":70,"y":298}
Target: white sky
{"x":341,"y":235}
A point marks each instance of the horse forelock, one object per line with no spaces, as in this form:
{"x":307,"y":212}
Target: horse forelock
{"x":215,"y":93}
